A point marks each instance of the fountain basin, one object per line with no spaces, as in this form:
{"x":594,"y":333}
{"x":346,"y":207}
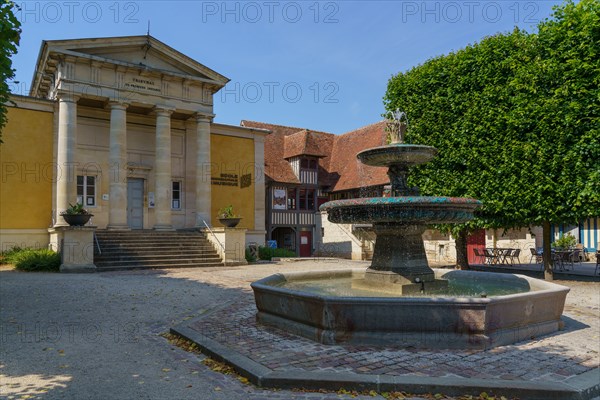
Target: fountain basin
{"x":420,"y":322}
{"x":397,"y":153}
{"x":403,"y":210}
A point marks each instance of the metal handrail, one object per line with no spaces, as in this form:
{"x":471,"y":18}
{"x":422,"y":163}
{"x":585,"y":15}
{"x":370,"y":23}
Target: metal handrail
{"x":97,"y":243}
{"x":218,"y":241}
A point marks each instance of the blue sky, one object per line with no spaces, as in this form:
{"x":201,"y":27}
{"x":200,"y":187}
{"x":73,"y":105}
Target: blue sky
{"x":318,"y":65}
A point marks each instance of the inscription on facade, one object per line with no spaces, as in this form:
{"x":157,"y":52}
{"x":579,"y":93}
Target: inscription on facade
{"x":143,"y":84}
{"x":232,"y":180}
{"x":225,"y":180}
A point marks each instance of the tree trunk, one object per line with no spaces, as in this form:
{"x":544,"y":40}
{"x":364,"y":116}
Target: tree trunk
{"x":548,"y":267}
{"x":462,"y":260}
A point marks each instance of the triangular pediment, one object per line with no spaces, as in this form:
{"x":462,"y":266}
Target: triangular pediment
{"x":141,"y":51}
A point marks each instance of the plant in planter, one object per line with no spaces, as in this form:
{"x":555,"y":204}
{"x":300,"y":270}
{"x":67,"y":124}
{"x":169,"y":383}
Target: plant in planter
{"x":565,"y":242}
{"x":76,"y":215}
{"x":228,"y":217}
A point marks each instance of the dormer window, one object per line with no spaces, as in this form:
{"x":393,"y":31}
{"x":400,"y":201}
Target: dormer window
{"x":308,"y":163}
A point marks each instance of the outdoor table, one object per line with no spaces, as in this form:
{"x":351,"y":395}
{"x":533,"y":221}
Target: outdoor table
{"x":559,"y":257}
{"x":498,"y":255}
{"x":504,"y":254}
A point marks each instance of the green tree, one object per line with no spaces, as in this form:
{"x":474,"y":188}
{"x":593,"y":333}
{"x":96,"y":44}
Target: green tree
{"x":559,"y":108}
{"x":515,"y":120}
{"x":10,"y":33}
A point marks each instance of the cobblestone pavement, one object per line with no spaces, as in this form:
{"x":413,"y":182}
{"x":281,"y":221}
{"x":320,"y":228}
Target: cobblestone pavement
{"x":97,"y":336}
{"x":551,"y":358}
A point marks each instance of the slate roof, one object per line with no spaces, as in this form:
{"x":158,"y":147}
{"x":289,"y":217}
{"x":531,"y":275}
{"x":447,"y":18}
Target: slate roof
{"x":339,"y":168}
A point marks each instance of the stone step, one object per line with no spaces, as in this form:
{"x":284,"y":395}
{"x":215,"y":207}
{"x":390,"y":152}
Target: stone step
{"x":121,"y":267}
{"x":115,"y":244}
{"x":161,"y":261}
{"x":166,"y":257}
{"x":153,"y":237}
{"x":151,"y":249}
{"x":147,"y":234}
{"x":156,"y":250}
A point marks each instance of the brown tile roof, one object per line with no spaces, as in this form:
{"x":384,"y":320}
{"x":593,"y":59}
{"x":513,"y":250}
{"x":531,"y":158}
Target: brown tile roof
{"x":295,"y":139}
{"x":304,"y":142}
{"x":338,"y":166}
{"x":344,"y":165}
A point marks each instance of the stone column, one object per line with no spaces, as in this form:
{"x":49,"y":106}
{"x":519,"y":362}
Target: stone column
{"x":162,"y":170}
{"x":203,"y":193}
{"x":117,"y":206}
{"x":259,"y":183}
{"x":66,"y":173}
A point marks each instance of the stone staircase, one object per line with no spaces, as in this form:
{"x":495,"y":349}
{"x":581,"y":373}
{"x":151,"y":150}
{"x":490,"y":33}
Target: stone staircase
{"x":120,"y":250}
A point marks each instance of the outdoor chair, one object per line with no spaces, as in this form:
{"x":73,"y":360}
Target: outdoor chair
{"x":504,"y":256}
{"x":479,"y":258}
{"x":515,"y":253}
{"x":575,"y":257}
{"x":583,"y":256}
{"x":490,"y":257}
{"x":534,"y":254}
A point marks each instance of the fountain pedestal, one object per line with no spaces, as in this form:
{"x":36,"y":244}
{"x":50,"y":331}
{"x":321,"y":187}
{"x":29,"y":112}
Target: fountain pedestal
{"x":399,"y":262}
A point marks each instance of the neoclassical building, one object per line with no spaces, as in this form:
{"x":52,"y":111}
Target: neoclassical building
{"x":124,"y":125}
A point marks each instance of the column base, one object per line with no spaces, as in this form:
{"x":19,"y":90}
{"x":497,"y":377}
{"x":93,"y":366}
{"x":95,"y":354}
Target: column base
{"x":200,"y":219}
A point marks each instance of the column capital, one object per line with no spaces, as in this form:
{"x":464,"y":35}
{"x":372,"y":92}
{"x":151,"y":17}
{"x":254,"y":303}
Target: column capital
{"x":202,"y":117}
{"x":116,"y":104}
{"x":67,"y":96}
{"x":163,"y":111}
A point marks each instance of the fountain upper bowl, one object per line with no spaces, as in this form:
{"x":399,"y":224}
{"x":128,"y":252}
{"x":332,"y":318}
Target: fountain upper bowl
{"x":397,"y":153}
{"x":401,"y":210}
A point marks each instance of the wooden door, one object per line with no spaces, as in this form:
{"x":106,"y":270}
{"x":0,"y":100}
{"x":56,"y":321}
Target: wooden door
{"x":135,"y":203}
{"x":476,"y":241}
{"x":305,"y":244}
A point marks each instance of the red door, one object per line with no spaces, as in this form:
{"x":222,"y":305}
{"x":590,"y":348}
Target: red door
{"x":476,"y":241}
{"x":305,"y":244}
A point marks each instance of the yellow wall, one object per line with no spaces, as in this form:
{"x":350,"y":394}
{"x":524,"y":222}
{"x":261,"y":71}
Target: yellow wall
{"x":232,"y":156}
{"x":26,"y":168}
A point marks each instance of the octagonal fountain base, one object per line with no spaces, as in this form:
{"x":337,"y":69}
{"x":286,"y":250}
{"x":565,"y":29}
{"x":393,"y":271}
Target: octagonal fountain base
{"x":324,"y":306}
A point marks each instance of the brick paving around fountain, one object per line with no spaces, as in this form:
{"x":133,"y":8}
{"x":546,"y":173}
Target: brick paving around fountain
{"x":562,"y":365}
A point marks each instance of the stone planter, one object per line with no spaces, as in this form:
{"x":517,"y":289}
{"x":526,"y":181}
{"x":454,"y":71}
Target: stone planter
{"x":77,"y":219}
{"x":230,"y":222}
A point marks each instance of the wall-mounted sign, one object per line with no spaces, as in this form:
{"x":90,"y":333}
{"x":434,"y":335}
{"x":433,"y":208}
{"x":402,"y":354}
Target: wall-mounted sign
{"x":279,"y":199}
{"x":245,"y":181}
{"x":149,"y":85}
{"x":150,"y":199}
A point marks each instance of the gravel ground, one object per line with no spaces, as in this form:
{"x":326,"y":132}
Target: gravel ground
{"x":97,"y":336}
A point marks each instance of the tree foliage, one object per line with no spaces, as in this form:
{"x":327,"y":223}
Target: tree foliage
{"x":515,"y":118}
{"x":10,"y":33}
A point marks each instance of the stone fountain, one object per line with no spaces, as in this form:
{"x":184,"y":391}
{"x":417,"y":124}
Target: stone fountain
{"x":399,"y":300}
{"x":399,"y":260}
